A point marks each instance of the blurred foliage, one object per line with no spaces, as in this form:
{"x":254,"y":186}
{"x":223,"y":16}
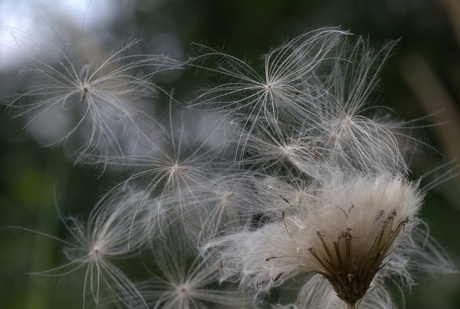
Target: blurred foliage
{"x":34,"y":179}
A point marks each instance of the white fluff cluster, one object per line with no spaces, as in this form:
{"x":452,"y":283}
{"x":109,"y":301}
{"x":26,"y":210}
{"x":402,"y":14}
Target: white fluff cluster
{"x":310,"y":195}
{"x":349,"y":233}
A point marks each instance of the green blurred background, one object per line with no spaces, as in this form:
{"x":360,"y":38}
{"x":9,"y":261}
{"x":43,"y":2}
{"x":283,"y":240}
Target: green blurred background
{"x":422,"y":78}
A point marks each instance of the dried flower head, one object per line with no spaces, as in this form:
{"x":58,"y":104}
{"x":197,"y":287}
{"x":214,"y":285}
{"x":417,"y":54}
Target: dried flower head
{"x":356,"y":230}
{"x":348,"y":233}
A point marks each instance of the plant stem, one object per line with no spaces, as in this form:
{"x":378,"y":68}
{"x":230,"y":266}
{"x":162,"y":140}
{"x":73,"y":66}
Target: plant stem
{"x":352,"y":306}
